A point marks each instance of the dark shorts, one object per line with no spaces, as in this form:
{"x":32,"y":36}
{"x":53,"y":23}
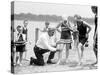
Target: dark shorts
{"x":65,"y":35}
{"x":82,"y":39}
{"x":20,"y":48}
{"x":39,"y":56}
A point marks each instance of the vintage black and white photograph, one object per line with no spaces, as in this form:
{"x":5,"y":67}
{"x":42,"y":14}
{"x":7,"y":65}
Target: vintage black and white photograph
{"x":49,"y":37}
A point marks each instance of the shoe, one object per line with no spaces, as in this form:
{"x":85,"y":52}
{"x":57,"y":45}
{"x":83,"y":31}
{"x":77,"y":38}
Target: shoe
{"x":94,"y":64}
{"x":50,"y":62}
{"x":31,"y":62}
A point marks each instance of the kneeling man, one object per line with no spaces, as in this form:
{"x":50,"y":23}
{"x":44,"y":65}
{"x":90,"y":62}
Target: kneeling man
{"x":42,"y":46}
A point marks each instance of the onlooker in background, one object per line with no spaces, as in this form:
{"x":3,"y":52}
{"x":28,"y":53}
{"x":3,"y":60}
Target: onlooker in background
{"x":25,"y":28}
{"x":95,"y":37}
{"x":25,"y":31}
{"x":76,"y":40}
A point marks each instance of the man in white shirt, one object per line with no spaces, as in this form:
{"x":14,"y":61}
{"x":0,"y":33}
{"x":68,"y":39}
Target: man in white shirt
{"x":42,"y":46}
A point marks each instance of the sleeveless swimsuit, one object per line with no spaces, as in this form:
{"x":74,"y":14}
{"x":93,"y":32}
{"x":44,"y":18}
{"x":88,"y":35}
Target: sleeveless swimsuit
{"x":65,"y":34}
{"x":82,"y":32}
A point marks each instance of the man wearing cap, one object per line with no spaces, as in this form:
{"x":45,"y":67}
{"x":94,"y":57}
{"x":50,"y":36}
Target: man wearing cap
{"x":42,"y":46}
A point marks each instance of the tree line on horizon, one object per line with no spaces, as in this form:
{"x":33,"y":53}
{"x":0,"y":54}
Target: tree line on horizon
{"x":51,"y":18}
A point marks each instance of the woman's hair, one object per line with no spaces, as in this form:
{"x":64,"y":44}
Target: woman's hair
{"x":94,"y":7}
{"x":18,"y":27}
{"x":77,"y":16}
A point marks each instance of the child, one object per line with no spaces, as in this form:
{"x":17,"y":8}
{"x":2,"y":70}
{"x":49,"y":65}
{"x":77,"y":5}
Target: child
{"x":20,"y":45}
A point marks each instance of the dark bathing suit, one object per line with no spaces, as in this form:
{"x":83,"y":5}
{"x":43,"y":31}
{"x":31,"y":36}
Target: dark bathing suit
{"x":21,"y":46}
{"x":65,"y":33}
{"x":82,"y":32}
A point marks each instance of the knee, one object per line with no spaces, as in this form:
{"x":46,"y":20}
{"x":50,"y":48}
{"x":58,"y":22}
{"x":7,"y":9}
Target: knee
{"x":41,"y":63}
{"x":80,"y":45}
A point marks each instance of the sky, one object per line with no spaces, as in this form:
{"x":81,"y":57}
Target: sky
{"x":52,"y":9}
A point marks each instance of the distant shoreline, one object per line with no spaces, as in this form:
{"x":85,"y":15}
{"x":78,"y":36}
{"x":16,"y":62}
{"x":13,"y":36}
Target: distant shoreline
{"x":41,"y":18}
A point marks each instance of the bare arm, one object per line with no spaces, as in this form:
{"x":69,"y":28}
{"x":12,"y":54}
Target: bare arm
{"x":70,"y":27}
{"x":58,"y":27}
{"x":88,"y":25}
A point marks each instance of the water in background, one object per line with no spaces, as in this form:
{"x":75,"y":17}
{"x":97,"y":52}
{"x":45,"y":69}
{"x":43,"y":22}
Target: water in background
{"x":32,"y":25}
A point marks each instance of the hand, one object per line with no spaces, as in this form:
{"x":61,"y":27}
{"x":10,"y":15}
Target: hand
{"x":58,"y":50}
{"x":87,"y":35}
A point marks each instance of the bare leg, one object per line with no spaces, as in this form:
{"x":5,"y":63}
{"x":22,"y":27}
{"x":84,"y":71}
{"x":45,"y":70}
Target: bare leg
{"x":60,"y":53}
{"x":79,"y":56}
{"x":67,"y":51}
{"x":81,"y":49}
{"x":17,"y":58}
{"x":21,"y":57}
{"x":59,"y":57}
{"x":25,"y":55}
{"x":14,"y":56}
{"x":25,"y":52}
{"x":76,"y":43}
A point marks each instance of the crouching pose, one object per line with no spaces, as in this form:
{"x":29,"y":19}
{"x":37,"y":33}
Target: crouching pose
{"x":43,"y":46}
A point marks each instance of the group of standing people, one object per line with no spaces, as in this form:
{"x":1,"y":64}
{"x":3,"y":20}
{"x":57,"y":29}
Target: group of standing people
{"x":79,"y":32}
